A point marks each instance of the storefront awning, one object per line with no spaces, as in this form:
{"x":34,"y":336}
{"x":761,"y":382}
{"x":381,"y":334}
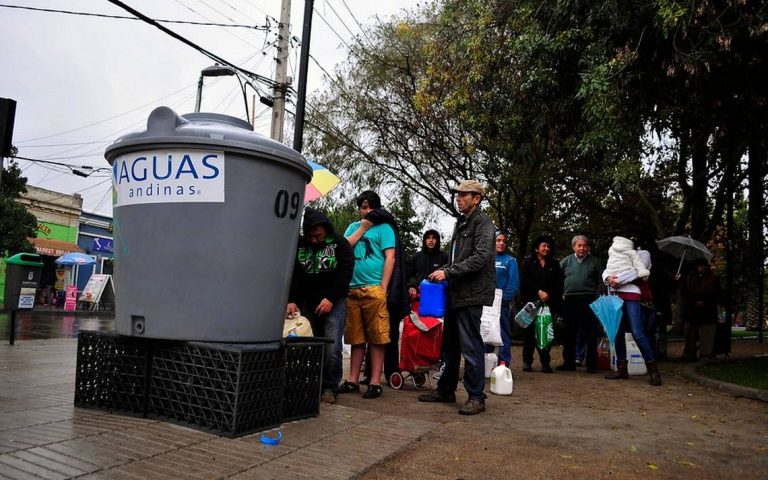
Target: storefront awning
{"x":55,"y":248}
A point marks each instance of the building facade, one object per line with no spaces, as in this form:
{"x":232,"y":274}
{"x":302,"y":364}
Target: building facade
{"x":58,"y":223}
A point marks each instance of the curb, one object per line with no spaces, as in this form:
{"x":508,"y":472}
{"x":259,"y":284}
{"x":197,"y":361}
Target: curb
{"x":691,"y":372}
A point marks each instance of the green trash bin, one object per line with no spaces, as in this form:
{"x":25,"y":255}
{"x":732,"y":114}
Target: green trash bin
{"x":22,"y":279}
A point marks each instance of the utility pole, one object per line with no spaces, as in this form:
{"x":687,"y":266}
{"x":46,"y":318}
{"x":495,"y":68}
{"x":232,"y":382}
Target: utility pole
{"x":281,"y":84}
{"x":301,"y":99}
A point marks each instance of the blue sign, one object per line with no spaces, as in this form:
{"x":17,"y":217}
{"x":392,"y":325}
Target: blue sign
{"x":102,"y":245}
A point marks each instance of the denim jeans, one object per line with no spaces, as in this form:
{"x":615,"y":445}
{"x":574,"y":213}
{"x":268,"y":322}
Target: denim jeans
{"x":633,"y":312}
{"x":461,"y":337}
{"x":505,"y":352}
{"x":330,"y":326}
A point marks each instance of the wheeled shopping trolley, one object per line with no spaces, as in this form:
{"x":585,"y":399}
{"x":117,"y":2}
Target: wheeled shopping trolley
{"x":419,"y":350}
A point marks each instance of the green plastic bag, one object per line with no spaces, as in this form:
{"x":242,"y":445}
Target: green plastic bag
{"x":545,"y":332}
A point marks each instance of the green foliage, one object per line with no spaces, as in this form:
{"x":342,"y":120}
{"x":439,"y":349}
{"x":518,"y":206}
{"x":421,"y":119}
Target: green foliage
{"x":16,"y":224}
{"x":410,"y":226}
{"x":341,"y":216}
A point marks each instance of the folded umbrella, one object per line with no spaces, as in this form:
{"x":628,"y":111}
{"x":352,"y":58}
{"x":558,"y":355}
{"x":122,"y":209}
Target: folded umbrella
{"x":607,"y":309}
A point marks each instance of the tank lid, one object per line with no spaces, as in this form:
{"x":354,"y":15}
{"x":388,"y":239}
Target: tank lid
{"x":167,"y":129}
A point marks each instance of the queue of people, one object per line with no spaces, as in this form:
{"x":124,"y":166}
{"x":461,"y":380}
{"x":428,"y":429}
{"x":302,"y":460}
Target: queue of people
{"x":358,"y":286}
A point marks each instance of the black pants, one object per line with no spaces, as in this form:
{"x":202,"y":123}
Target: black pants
{"x":580,"y":322}
{"x":529,"y":343}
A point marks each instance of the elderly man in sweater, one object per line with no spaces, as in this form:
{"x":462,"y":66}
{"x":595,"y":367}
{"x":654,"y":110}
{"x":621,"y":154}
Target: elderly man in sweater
{"x":582,"y":272}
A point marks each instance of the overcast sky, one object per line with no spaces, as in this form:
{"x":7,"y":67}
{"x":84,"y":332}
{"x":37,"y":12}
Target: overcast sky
{"x":82,"y":81}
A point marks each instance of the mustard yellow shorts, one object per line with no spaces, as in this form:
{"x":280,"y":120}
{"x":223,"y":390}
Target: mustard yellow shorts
{"x":367,"y":316}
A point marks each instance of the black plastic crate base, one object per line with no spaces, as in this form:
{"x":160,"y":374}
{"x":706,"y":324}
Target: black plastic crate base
{"x":227,"y":389}
{"x":111,"y":372}
{"x":304,"y":358}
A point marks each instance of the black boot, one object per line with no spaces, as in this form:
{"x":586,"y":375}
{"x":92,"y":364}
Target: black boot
{"x":653,"y":374}
{"x":621,"y":372}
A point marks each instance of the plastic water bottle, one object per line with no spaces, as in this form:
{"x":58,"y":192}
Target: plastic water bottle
{"x":604,"y":355}
{"x":501,"y":380}
{"x":491,"y":360}
{"x":635,"y":361}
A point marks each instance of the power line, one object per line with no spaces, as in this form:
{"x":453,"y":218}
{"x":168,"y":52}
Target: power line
{"x":101,"y":121}
{"x":339,"y":17}
{"x":64,"y":144}
{"x":355,"y":19}
{"x":120,"y":17}
{"x":71,"y":167}
{"x":267,"y":28}
{"x":332,"y":29}
{"x":211,"y":55}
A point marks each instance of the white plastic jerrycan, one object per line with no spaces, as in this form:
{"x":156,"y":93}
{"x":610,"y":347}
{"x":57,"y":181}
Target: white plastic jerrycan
{"x":501,"y":380}
{"x":491,"y":360}
{"x":635,"y":361}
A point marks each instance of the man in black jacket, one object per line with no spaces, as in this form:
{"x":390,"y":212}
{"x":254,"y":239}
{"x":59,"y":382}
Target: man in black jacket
{"x":471,"y":275}
{"x":321,"y":275}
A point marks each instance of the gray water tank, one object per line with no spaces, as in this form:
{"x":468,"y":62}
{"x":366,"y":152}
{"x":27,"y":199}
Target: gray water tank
{"x":206,"y":221}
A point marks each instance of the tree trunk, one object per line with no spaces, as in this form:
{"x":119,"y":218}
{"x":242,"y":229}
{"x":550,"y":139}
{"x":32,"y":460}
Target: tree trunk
{"x":699,"y":207}
{"x":755,"y":219}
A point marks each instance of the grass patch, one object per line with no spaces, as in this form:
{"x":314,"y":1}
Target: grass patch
{"x":747,"y":373}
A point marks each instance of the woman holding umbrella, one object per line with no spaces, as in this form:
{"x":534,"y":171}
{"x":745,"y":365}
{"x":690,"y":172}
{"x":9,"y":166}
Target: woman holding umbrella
{"x":625,"y":284}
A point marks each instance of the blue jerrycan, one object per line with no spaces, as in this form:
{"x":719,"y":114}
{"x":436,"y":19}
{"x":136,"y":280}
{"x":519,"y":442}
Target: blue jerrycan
{"x":432,"y":302}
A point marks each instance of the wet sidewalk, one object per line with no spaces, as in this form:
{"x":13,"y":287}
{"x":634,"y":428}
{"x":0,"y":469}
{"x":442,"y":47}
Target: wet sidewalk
{"x":43,"y":435}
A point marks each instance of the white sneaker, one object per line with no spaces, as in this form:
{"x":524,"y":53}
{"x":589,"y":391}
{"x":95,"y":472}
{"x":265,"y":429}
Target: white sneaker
{"x":439,"y":372}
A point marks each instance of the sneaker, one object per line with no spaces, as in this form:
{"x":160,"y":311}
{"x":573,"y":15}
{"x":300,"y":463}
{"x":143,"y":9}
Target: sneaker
{"x":328,"y":396}
{"x":565,"y":368}
{"x":547,"y":369}
{"x":374,"y":391}
{"x":579,"y":362}
{"x":527,"y":367}
{"x":436,"y":396}
{"x":472,"y":407}
{"x":348,"y":387}
{"x":439,"y":372}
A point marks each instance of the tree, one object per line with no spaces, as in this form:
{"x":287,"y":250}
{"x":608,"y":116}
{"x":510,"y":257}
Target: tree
{"x":16,"y":223}
{"x":581,"y":116}
{"x":410,"y":227}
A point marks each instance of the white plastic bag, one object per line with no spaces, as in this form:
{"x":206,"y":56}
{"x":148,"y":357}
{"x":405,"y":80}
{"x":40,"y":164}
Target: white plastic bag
{"x":297,"y":326}
{"x":490,"y":322}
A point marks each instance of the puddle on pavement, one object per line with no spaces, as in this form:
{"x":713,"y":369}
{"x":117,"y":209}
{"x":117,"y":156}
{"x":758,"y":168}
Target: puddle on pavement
{"x":44,"y":325}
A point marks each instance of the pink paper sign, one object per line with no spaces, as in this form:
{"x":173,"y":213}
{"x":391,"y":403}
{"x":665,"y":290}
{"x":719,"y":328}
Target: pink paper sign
{"x":70,"y":300}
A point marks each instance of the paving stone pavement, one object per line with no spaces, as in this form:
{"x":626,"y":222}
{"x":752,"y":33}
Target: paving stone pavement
{"x":42,"y":434}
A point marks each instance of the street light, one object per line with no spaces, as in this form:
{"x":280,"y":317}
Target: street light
{"x":214,"y":71}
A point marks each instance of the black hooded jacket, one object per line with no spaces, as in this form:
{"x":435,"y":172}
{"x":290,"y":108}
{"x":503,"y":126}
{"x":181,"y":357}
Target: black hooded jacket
{"x":425,"y":261}
{"x":323,"y":271}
